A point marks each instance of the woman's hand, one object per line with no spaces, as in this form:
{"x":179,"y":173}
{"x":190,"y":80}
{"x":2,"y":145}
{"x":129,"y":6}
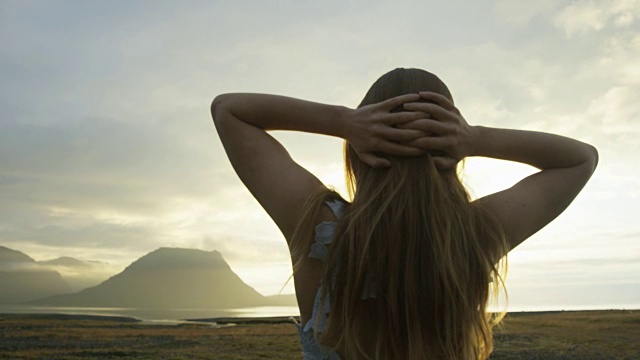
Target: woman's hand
{"x":373,"y":130}
{"x":445,"y":128}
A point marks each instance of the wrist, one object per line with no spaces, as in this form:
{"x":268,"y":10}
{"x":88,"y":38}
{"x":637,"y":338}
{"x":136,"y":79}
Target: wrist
{"x":343,"y":123}
{"x":474,"y":140}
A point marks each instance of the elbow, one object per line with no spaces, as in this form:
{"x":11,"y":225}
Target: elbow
{"x":593,"y":157}
{"x":590,"y":162}
{"x":218,"y":105}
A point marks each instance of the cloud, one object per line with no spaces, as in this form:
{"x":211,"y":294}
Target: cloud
{"x":585,"y":16}
{"x":96,"y":159}
{"x":619,"y":58}
{"x":619,"y":112}
{"x":520,"y":14}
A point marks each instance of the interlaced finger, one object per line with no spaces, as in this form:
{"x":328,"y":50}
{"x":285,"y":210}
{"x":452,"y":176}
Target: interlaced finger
{"x":430,"y":143}
{"x":404,"y":117}
{"x":435,"y":111}
{"x":444,"y":162}
{"x":428,"y":126}
{"x":394,"y":102}
{"x":374,"y":161}
{"x":401,"y":135}
{"x":440,"y":100}
{"x":392,"y":148}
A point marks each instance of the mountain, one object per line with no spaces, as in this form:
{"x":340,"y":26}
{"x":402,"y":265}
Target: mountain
{"x":282,"y":300}
{"x":80,"y":274}
{"x":168,"y":278}
{"x":22,"y":279}
{"x":10,"y":257}
{"x":66,"y":262}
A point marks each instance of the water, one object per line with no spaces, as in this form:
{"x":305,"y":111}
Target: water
{"x":157,"y":315}
{"x":166,"y":316}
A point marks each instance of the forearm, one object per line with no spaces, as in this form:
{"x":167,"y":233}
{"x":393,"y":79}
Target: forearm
{"x":541,"y":150}
{"x":370,"y":130}
{"x":272,"y":112}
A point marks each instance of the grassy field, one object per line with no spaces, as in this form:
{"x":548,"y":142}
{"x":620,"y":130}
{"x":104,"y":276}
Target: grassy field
{"x":545,"y":336}
{"x":569,"y":335}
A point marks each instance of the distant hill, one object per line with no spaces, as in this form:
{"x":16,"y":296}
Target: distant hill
{"x":80,"y":274}
{"x":168,"y":278}
{"x":22,"y":279}
{"x":65,"y":261}
{"x":282,"y":300}
{"x":10,"y":257}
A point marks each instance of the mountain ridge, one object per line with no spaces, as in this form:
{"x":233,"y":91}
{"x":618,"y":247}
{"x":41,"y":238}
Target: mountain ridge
{"x":11,"y":255}
{"x":22,"y":279}
{"x":169,"y":278}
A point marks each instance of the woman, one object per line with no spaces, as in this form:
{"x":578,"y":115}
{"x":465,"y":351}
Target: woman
{"x":405,"y":270}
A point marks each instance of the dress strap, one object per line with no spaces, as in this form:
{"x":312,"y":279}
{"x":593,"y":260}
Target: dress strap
{"x":337,"y":207}
{"x":325,"y":231}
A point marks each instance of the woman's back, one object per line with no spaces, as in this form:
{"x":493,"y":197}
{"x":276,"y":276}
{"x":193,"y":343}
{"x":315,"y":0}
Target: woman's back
{"x":402,"y":265}
{"x":411,"y":261}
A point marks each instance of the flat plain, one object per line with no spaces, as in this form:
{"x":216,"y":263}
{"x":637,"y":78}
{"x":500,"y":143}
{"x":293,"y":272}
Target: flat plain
{"x":583,"y":335}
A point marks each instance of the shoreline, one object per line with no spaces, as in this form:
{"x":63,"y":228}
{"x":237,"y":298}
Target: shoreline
{"x":244,"y":320}
{"x":63,"y":316}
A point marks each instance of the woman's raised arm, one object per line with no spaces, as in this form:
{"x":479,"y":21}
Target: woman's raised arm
{"x":279,"y":184}
{"x":566,"y":165}
{"x":528,"y":206}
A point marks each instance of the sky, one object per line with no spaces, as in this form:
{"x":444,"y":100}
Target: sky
{"x":108,"y":151}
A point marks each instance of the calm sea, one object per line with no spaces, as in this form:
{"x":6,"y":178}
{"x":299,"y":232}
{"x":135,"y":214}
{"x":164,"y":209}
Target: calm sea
{"x":178,"y":315}
{"x":157,"y":314}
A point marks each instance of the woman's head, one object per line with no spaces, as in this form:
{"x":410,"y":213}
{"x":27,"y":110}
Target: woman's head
{"x":404,"y":81}
{"x":392,"y":84}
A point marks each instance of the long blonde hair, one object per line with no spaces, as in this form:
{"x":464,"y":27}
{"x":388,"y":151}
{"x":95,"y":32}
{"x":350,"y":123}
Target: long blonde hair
{"x":413,"y":261}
